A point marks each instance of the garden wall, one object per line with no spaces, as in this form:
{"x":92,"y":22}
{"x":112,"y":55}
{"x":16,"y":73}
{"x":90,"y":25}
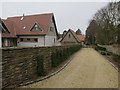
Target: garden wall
{"x":20,"y":64}
{"x":113,"y":49}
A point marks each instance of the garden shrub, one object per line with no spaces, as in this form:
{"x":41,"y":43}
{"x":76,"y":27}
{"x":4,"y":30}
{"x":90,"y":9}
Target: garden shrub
{"x":40,"y":65}
{"x":59,"y":55}
{"x":53,"y":58}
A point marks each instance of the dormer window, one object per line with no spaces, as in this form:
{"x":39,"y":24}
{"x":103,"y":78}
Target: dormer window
{"x":36,"y":28}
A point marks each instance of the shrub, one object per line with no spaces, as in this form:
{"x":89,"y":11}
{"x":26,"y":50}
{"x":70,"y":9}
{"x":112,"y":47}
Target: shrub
{"x":40,"y":65}
{"x":59,"y":55}
{"x":53,"y":58}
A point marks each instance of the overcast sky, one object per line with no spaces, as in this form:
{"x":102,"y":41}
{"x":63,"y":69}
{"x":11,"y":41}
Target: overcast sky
{"x":72,"y":15}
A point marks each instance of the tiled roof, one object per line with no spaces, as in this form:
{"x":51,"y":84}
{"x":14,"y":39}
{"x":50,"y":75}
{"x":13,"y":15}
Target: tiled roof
{"x":75,"y":35}
{"x":16,"y":24}
{"x":81,"y":37}
{"x":59,"y":39}
{"x":10,"y":27}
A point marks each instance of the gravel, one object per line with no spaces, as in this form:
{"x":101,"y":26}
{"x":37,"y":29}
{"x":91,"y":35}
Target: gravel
{"x":88,"y":69}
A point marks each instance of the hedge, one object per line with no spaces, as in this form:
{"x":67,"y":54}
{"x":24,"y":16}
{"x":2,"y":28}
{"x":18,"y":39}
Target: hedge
{"x":59,"y":55}
{"x":40,"y":65}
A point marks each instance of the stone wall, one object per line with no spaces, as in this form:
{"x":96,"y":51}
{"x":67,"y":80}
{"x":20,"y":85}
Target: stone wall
{"x":19,"y":65}
{"x":113,"y":49}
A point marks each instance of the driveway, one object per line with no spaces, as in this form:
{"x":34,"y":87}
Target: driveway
{"x":88,"y":69}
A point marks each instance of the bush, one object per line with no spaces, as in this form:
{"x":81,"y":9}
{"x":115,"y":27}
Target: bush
{"x":40,"y":65}
{"x":53,"y":58}
{"x":59,"y":55}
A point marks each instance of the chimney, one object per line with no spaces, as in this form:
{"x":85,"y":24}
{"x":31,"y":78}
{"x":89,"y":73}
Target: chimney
{"x":23,"y":15}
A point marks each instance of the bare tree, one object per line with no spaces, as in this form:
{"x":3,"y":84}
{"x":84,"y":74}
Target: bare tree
{"x":107,"y":20}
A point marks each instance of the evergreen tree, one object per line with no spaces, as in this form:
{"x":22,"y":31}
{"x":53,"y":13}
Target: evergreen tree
{"x":78,"y":32}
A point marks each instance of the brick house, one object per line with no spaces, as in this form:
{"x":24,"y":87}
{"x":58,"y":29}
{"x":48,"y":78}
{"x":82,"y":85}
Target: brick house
{"x":29,"y":31}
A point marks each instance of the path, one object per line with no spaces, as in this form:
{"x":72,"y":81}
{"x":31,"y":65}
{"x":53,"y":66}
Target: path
{"x":88,"y":69}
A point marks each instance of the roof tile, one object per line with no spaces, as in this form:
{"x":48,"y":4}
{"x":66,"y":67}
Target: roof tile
{"x":15,"y":24}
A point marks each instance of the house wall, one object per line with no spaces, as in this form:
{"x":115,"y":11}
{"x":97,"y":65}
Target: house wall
{"x":50,"y":40}
{"x":9,"y":42}
{"x":51,"y":37}
{"x":69,"y":40}
{"x":31,"y":44}
{"x":51,"y":33}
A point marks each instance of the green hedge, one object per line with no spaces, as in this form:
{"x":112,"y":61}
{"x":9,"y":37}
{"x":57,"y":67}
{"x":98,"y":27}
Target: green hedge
{"x":59,"y":55}
{"x":40,"y":65}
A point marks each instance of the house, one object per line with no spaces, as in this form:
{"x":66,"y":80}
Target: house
{"x":70,"y":38}
{"x":29,"y":31}
{"x":82,"y":38}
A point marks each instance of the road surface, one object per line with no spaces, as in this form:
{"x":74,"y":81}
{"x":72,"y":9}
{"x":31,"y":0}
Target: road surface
{"x":88,"y":69}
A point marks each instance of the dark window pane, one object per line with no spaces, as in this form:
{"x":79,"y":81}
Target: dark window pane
{"x":69,"y":35}
{"x":28,"y":39}
{"x":36,"y":40}
{"x":21,"y":39}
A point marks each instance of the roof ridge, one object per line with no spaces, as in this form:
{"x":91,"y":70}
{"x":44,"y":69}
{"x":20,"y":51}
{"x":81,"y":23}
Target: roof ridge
{"x":29,"y":15}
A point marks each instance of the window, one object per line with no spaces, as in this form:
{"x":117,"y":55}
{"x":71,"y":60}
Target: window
{"x":36,"y":26}
{"x":51,"y":29}
{"x":21,"y":39}
{"x":69,"y":35}
{"x":51,"y":20}
{"x":28,"y":39}
{"x":24,"y":27}
{"x":35,"y":39}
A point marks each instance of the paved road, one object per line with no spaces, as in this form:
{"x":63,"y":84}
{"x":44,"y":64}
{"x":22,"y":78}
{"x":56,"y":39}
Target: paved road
{"x":88,"y":69}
